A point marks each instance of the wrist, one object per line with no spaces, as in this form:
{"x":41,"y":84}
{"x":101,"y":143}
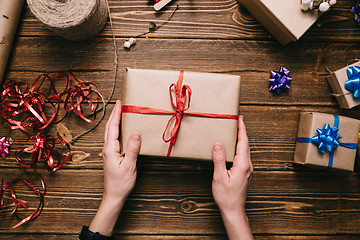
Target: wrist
{"x":234,"y":216}
{"x":106,"y":216}
{"x":237,"y":225}
{"x":116,"y":203}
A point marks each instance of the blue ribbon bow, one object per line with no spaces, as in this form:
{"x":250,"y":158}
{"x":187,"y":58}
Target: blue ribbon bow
{"x":353,"y":84}
{"x":327,"y":139}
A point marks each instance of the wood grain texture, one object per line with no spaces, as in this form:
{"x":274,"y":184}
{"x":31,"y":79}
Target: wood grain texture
{"x":271,"y":137}
{"x":204,"y":19}
{"x":291,"y":203}
{"x":178,"y":237}
{"x":172,"y":198}
{"x":252,"y":60}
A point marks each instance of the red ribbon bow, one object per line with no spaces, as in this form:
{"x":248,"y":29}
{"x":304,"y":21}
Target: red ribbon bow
{"x":181,"y":91}
{"x":179,"y":106}
{"x":43,"y":148}
{"x":15,"y":102}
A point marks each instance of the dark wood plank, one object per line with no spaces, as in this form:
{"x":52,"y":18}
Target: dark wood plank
{"x":39,"y":236}
{"x":179,"y":237}
{"x":252,"y":60}
{"x":271,"y":136}
{"x":206,"y":19}
{"x":175,"y":237}
{"x":172,"y":198}
{"x":283,"y":203}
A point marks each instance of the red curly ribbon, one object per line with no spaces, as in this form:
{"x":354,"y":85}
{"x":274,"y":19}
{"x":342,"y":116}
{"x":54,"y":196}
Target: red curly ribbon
{"x":75,"y":95}
{"x":15,"y":102}
{"x":181,"y":91}
{"x":18,"y":202}
{"x":26,"y":110}
{"x":43,"y":148}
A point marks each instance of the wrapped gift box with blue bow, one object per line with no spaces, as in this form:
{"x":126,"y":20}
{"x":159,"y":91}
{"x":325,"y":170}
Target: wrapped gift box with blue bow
{"x":327,"y":140}
{"x":345,"y":84}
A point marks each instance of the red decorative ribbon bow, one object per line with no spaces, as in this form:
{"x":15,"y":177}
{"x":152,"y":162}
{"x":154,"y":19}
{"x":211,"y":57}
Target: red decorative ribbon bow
{"x":27,"y":110}
{"x":15,"y":102}
{"x":43,"y":148}
{"x":18,"y":202}
{"x":181,"y":91}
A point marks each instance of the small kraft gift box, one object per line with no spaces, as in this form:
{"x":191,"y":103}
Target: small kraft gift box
{"x":284,"y":19}
{"x":345,"y":84}
{"x":180,"y":114}
{"x":327,"y":140}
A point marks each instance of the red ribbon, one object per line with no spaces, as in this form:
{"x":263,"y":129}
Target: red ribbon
{"x":18,"y":202}
{"x":43,"y":148}
{"x":15,"y":102}
{"x":181,"y":91}
{"x":26,"y":110}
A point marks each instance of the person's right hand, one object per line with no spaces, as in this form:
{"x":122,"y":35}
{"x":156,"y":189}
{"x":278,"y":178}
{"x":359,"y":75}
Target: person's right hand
{"x":230,"y":187}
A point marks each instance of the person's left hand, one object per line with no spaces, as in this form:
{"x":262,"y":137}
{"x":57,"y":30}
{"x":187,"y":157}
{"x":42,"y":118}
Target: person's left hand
{"x":119,"y":171}
{"x":119,"y":174}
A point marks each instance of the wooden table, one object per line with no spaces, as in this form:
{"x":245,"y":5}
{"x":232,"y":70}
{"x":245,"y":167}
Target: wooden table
{"x":172,"y":198}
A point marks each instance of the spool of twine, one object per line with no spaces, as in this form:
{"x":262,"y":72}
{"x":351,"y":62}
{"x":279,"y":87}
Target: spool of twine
{"x":71,"y":19}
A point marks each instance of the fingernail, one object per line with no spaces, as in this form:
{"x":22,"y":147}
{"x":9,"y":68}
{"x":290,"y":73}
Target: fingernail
{"x":241,"y":118}
{"x":136,"y":137}
{"x":217,"y":147}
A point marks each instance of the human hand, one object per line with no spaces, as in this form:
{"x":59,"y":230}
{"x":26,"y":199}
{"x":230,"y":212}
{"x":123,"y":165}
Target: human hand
{"x":119,"y":171}
{"x":119,"y":174}
{"x":230,"y":187}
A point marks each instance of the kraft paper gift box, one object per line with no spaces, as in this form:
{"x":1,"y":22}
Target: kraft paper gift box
{"x":314,"y":140}
{"x":284,"y":19}
{"x":211,"y":94}
{"x":337,"y":80}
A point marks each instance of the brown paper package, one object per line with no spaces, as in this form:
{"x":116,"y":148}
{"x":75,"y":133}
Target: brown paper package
{"x":10,"y":11}
{"x":337,"y":81}
{"x":211,"y":93}
{"x":284,"y":19}
{"x":308,"y":153}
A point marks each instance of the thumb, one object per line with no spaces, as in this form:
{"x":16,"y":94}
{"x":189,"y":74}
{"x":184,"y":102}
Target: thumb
{"x":132,"y":149}
{"x":219,"y":159}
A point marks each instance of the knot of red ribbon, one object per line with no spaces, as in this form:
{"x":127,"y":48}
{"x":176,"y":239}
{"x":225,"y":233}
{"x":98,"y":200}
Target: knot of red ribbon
{"x":43,"y":148}
{"x":181,"y":91}
{"x":14,"y":102}
{"x":181,"y":104}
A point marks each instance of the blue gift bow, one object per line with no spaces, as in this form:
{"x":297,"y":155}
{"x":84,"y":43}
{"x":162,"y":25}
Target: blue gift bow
{"x":353,"y":84}
{"x":331,"y":144}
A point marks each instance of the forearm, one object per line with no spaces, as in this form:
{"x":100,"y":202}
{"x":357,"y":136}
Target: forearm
{"x":106,"y":216}
{"x":237,"y":226}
